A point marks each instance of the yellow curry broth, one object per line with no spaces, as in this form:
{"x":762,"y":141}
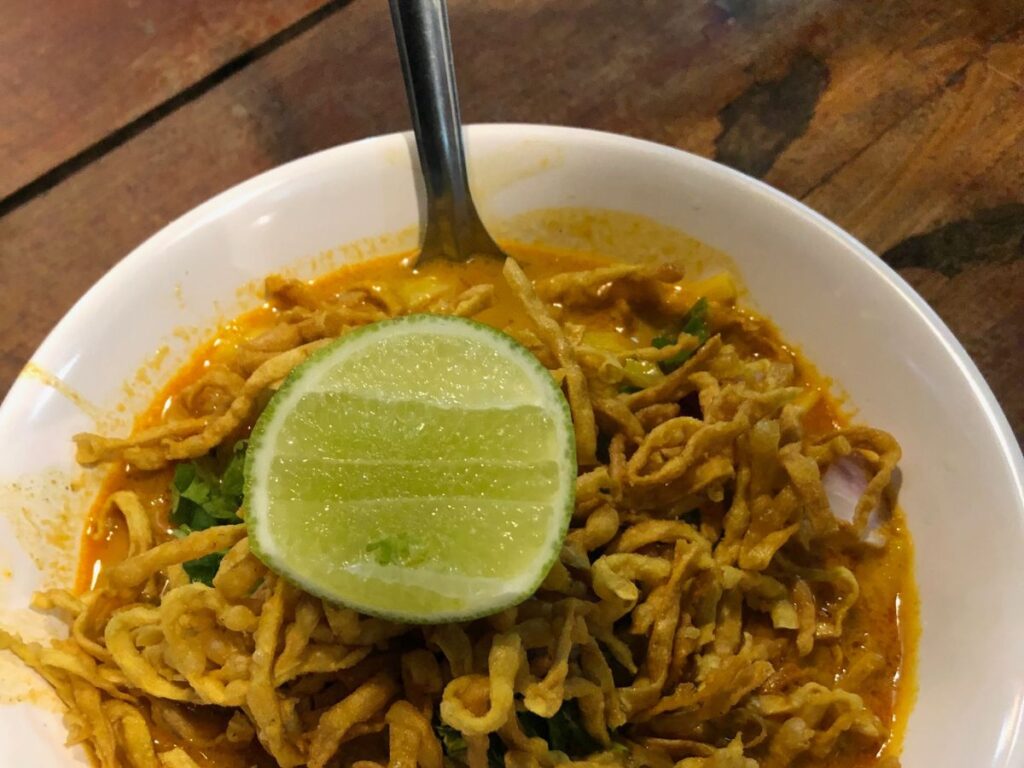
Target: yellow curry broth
{"x":103,"y":547}
{"x":886,"y":607}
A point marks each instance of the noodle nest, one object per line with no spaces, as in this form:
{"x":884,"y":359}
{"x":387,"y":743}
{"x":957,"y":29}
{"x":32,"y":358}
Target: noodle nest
{"x":694,"y":618}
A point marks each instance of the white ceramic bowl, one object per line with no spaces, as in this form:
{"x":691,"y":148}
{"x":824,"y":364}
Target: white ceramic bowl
{"x":902,"y":368}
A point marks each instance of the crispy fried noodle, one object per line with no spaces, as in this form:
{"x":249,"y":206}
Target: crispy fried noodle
{"x":708,"y":609}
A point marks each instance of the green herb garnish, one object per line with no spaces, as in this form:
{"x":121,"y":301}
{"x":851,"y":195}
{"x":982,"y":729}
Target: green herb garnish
{"x":454,"y":747}
{"x":396,"y":550}
{"x":694,"y":323}
{"x":496,"y":750}
{"x":201,"y":499}
{"x":204,"y":568}
{"x":452,"y":743}
{"x":564,"y":731}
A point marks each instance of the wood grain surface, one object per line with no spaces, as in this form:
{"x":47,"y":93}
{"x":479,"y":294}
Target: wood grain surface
{"x":902,"y":121}
{"x":74,"y":71}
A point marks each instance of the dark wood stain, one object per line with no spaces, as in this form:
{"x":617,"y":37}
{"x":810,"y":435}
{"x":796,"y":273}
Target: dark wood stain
{"x":743,"y":9}
{"x":759,"y":124}
{"x":957,"y":77}
{"x":992,"y":235}
{"x":74,"y":72}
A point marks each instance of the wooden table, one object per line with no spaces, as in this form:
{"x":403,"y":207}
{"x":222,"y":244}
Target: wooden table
{"x":902,"y":120}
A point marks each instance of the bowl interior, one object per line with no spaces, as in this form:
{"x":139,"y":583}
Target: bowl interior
{"x":852,"y":316}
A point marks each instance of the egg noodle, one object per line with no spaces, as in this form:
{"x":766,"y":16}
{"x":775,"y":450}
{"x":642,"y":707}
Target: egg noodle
{"x":707,"y":610}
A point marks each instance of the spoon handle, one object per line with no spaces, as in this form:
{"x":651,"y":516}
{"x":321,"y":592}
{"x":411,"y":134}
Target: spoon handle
{"x":453,"y":230}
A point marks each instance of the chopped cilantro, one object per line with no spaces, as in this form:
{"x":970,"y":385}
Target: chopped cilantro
{"x":201,"y":499}
{"x":496,"y":750}
{"x":454,"y":747}
{"x":694,"y":323}
{"x":232,"y":482}
{"x":452,"y":743}
{"x":620,"y":749}
{"x":564,"y":731}
{"x":204,"y":568}
{"x":394,"y":550}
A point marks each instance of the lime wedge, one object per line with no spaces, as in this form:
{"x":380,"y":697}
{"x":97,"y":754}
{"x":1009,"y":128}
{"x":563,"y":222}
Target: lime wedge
{"x":421,"y":469}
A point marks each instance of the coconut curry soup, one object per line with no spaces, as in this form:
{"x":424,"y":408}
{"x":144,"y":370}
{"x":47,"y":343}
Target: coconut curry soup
{"x":734,"y":589}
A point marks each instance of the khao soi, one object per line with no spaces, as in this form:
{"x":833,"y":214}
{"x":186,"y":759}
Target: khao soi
{"x":733,"y":591}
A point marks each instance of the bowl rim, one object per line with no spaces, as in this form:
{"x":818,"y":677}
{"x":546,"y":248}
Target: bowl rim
{"x":134,"y":264}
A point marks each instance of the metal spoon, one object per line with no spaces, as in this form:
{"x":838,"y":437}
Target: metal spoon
{"x":454,"y":230}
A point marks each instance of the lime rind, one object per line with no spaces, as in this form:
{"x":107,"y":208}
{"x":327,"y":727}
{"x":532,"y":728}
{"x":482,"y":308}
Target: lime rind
{"x":306,"y":377}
